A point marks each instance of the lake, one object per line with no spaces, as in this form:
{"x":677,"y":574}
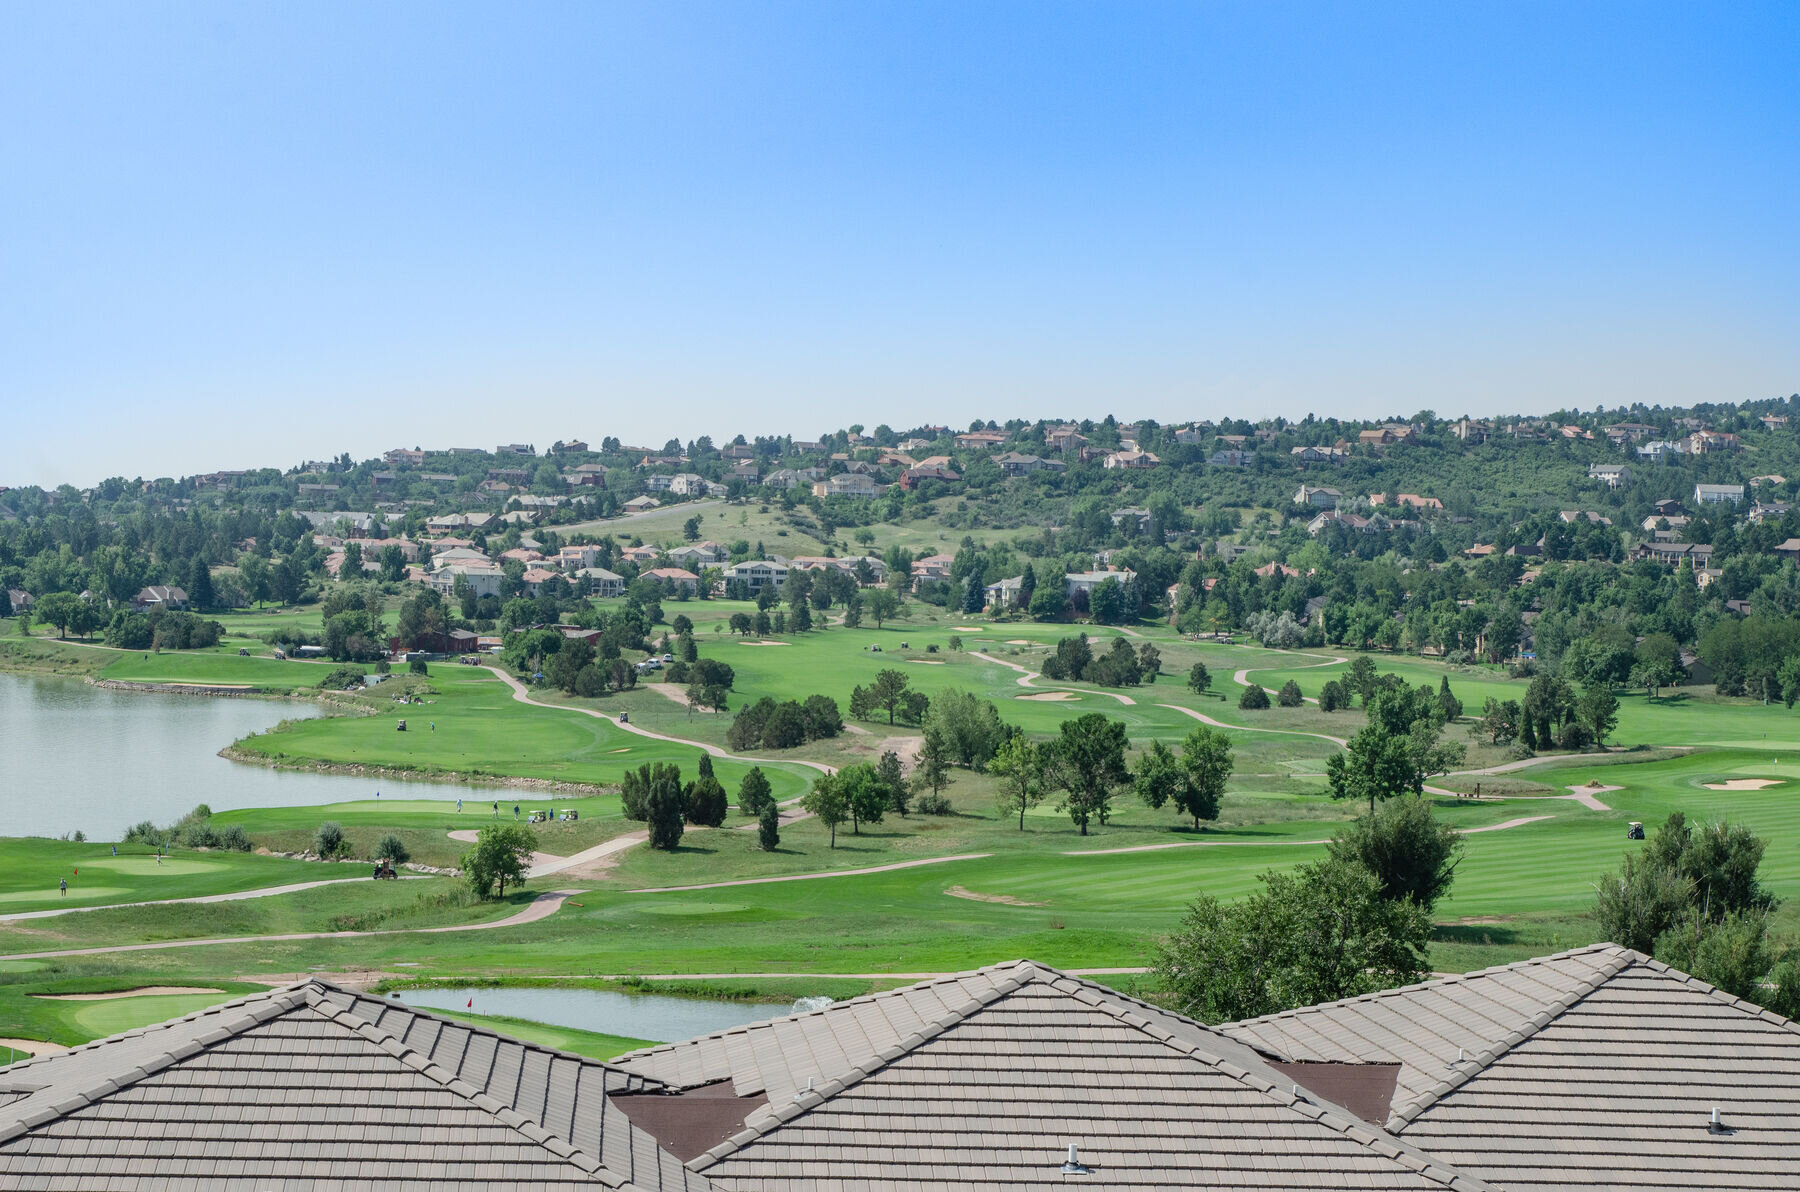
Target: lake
{"x":657,"y":1017}
{"x":84,"y":758}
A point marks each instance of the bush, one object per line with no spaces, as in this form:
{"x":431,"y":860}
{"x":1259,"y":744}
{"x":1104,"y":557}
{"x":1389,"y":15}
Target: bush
{"x":1254,"y":698}
{"x":1333,"y":697}
{"x":417,"y":666}
{"x":1289,"y":696}
{"x":932,"y":803}
{"x":344,"y":678}
{"x":235,"y":838}
{"x":329,"y":841}
{"x":393,"y":848}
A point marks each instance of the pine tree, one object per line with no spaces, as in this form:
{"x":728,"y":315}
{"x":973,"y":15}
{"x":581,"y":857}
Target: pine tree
{"x":768,"y":828}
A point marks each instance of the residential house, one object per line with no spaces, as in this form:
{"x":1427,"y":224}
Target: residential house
{"x":484,"y":579}
{"x":640,"y":504}
{"x":575,"y":446}
{"x":1628,"y":432}
{"x":1773,"y":421}
{"x":1718,"y":494}
{"x":674,"y":579}
{"x":1087,"y":581}
{"x":1611,"y":475}
{"x":658,"y":482}
{"x":1762,"y":511}
{"x":757,"y":574}
{"x":315,"y":490}
{"x":514,"y":476}
{"x":1712,"y":442}
{"x":641,"y":555}
{"x":20,"y":600}
{"x":981,"y":440}
{"x":1351,"y":521}
{"x":1408,"y":501}
{"x":1575,"y":515}
{"x":1065,"y":439}
{"x":600,"y":582}
{"x":587,"y":475}
{"x":738,"y":451}
{"x":1661,"y":451}
{"x":1013,"y":463}
{"x":1133,"y":460}
{"x":536,"y":577}
{"x":520,"y":554}
{"x":574,"y":558}
{"x":374,"y":548}
{"x":1379,"y":436}
{"x":846,"y":484}
{"x":1005,"y":593}
{"x":1316,"y":455}
{"x":687,"y":484}
{"x":877,"y":570}
{"x":1198,"y":434}
{"x":745,"y":470}
{"x":453,"y":556}
{"x":1471,"y":431}
{"x":515,"y":449}
{"x":1133,"y":519}
{"x":1231,"y":457}
{"x":1667,"y":506}
{"x":1318,"y":498}
{"x":1674,"y":554}
{"x":913,"y":477}
{"x":450,"y":523}
{"x":699,"y":554}
{"x":400,"y":457}
{"x":1789,"y":550}
{"x":931,"y":569}
{"x":156,"y":596}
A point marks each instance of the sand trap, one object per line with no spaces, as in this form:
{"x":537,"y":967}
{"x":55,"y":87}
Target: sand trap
{"x":1002,"y":899}
{"x":1049,"y":697}
{"x":966,"y":628}
{"x":925,"y":661}
{"x":1743,"y":784}
{"x":32,"y":1046}
{"x":140,"y":991}
{"x":762,"y":643}
{"x":1021,"y":641}
{"x":627,"y":749}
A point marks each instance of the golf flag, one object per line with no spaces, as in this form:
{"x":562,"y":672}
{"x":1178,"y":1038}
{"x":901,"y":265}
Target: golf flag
{"x":471,"y":1003}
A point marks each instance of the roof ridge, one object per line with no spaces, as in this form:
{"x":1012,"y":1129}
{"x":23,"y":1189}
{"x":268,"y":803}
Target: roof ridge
{"x":430,"y":1069}
{"x":166,"y":1024}
{"x":269,"y":1005}
{"x":773,"y":1117}
{"x":1316,"y":1108}
{"x":1719,"y":995}
{"x":728,"y":1032}
{"x":1400,"y":1118}
{"x":1434,"y":983}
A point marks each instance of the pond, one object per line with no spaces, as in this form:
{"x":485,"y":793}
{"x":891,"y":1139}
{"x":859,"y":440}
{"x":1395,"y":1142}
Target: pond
{"x":658,"y":1017}
{"x":75,"y":757}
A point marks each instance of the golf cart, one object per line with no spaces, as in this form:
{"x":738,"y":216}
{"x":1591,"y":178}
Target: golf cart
{"x":1635,"y":831}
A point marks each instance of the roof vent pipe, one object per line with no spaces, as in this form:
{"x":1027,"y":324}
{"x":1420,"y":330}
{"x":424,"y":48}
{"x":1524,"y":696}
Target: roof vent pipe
{"x":1073,"y":1166}
{"x":1717,"y":1125}
{"x":803,"y":1092}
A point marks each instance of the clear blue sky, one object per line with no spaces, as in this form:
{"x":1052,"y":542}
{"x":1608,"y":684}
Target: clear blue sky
{"x":244,"y":234}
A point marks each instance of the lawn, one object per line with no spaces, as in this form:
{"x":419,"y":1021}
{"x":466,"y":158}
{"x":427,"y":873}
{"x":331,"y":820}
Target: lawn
{"x":30,"y":869}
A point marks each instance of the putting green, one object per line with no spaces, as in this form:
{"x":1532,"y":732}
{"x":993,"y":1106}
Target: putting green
{"x":129,"y":1013}
{"x":78,"y":894}
{"x":147,"y":866}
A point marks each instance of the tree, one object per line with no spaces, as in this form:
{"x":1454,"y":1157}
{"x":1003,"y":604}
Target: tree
{"x":887,"y":690}
{"x":200,"y":586}
{"x":61,"y":609}
{"x":1090,"y":766}
{"x":1451,"y":707}
{"x":706,"y":802}
{"x":1640,"y":902}
{"x":1598,"y":711}
{"x":1207,"y":761}
{"x":893,"y":781}
{"x":393,"y":849}
{"x":754,"y":793}
{"x":1019,"y":765}
{"x":501,"y":854}
{"x":1379,"y":761}
{"x":565,"y":666}
{"x":329,"y":842}
{"x":1199,"y":680}
{"x":665,"y":805}
{"x":1404,"y":845}
{"x":1333,"y":697}
{"x":1500,"y":721}
{"x":1253,"y":699}
{"x":1149,"y":661}
{"x":932,"y":769}
{"x":883,"y":604}
{"x":1156,"y":775}
{"x":1316,"y":934}
{"x":970,"y":725}
{"x":690,"y":529}
{"x":1360,"y":678}
{"x":828,"y":803}
{"x":1658,"y":663}
{"x":768,"y":827}
{"x":865,"y":795}
{"x":1289,"y":696}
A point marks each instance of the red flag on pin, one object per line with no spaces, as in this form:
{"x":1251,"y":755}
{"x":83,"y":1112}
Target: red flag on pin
{"x":471,"y":1003}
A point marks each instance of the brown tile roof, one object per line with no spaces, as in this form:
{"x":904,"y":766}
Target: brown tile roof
{"x":316,"y":1087}
{"x":984,"y":1079}
{"x":1597,"y":1068}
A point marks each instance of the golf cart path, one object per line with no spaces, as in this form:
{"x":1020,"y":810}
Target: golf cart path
{"x":1027,"y":675}
{"x":1340,"y":742}
{"x":1242,"y":677}
{"x":541,"y":907}
{"x":523,"y":695}
{"x":235,"y":896}
{"x":806,"y":877}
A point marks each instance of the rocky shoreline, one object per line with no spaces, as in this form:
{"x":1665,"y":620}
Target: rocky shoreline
{"x":457,"y":777}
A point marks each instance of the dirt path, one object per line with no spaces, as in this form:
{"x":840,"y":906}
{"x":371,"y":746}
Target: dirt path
{"x":1027,"y":678}
{"x":523,"y":695}
{"x":237,"y":896}
{"x":802,"y":877}
{"x":541,"y":907}
{"x":1244,"y":728}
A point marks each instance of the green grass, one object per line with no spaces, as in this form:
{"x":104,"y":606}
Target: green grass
{"x":30,"y":869}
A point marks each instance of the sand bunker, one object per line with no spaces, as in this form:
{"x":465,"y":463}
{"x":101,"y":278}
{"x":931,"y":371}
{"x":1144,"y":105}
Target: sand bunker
{"x":1049,"y":697}
{"x":1021,"y":641}
{"x":762,"y":643}
{"x":1002,"y":899}
{"x":1742,"y":784}
{"x":925,"y":661}
{"x":32,"y":1046}
{"x":966,"y":628}
{"x":140,"y":991}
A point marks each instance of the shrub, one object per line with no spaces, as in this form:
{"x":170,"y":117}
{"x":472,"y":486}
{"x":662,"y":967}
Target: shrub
{"x":417,"y":666}
{"x":235,"y":838}
{"x":329,"y":841}
{"x":1254,"y":698}
{"x":344,"y":678}
{"x":932,"y":803}
{"x":393,"y":848}
{"x":1289,"y":696}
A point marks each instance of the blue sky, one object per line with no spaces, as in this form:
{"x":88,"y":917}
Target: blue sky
{"x":245,"y":234}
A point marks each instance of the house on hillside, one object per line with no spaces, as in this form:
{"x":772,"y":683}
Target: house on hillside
{"x":1718,"y":494}
{"x":640,"y":504}
{"x":981,"y":440}
{"x":1005,"y":593}
{"x":757,"y":574}
{"x":20,"y":600}
{"x":1231,"y":457}
{"x":1130,"y":460}
{"x":914,"y":476}
{"x":1013,"y":463}
{"x":846,"y":484}
{"x":482,"y":579}
{"x":1661,"y":451}
{"x":401,"y":457}
{"x":1611,"y":475}
{"x":1409,"y":501}
{"x":1316,"y":455}
{"x":157,"y":596}
{"x":1318,"y":497}
{"x":931,"y":569}
{"x":673,"y":579}
{"x":1087,"y":581}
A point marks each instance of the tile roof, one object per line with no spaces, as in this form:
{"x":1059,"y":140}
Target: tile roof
{"x":982,"y":1080}
{"x":1594,"y":1069}
{"x":316,"y":1087}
